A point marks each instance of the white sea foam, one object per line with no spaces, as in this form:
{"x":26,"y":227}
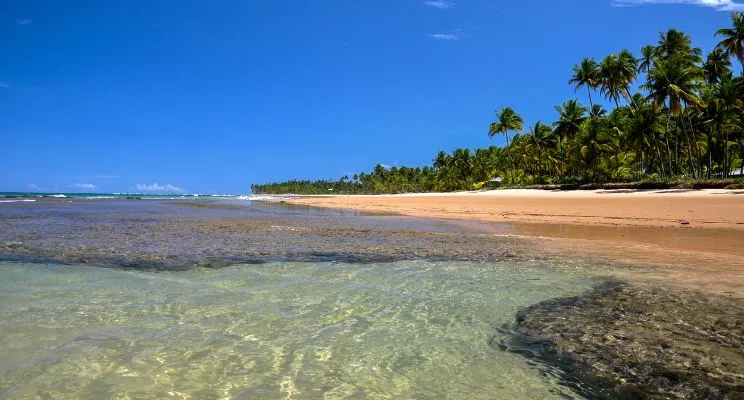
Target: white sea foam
{"x":58,"y":195}
{"x":15,"y":201}
{"x":260,"y":197}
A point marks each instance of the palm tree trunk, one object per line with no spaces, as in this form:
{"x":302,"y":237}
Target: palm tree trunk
{"x":631,"y":101}
{"x":710,"y":151}
{"x":698,"y":156}
{"x":658,"y":153}
{"x":539,"y":165}
{"x":511,"y":161}
{"x":666,"y":138}
{"x":726,"y":160}
{"x":589,"y":91}
{"x":689,"y":148}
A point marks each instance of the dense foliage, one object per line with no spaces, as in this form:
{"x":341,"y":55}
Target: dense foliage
{"x":676,"y":115}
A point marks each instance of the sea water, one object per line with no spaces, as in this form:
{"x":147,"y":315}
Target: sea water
{"x":408,"y":329}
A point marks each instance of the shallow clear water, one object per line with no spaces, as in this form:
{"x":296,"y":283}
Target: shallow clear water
{"x":410,"y":329}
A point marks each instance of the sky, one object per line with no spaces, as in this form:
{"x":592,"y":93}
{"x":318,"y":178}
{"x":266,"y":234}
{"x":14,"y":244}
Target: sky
{"x":212,"y":96}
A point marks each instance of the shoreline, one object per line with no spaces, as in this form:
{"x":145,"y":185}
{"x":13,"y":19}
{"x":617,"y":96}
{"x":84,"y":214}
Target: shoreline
{"x":704,"y":208}
{"x":636,"y":227}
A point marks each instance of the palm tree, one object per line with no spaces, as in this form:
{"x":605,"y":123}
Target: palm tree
{"x":609,"y":81}
{"x":462,"y":162}
{"x":508,"y":120}
{"x":540,"y":140}
{"x":593,"y":140}
{"x":727,"y":100}
{"x":648,"y":55}
{"x":597,"y":111}
{"x":571,"y":115}
{"x":586,"y":74}
{"x":484,"y":164}
{"x":627,"y":72}
{"x":733,"y":38}
{"x":673,"y":81}
{"x":646,"y":121}
{"x":442,"y":160}
{"x":674,"y":42}
{"x":716,"y":66}
{"x":616,"y":74}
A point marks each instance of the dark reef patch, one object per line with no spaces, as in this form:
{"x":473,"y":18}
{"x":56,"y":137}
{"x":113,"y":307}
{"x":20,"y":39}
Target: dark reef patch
{"x":181,"y":234}
{"x":623,"y":341}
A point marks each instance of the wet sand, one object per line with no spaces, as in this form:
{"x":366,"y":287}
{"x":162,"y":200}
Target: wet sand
{"x":639,"y":227}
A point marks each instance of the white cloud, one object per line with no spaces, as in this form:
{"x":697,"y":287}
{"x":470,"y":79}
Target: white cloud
{"x":24,"y":21}
{"x":444,"y":36}
{"x":720,"y":5}
{"x":155,"y":187}
{"x":34,"y":186}
{"x":88,"y":186}
{"x":455,"y":34}
{"x":441,"y":4}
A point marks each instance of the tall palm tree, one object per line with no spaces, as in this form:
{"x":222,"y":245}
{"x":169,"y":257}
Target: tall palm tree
{"x":609,"y":80}
{"x":508,"y":120}
{"x":648,"y":55}
{"x":586,"y":74}
{"x":728,"y":100}
{"x":674,"y":42}
{"x":733,"y":38}
{"x":616,"y":74}
{"x":674,"y":82}
{"x":627,"y":72}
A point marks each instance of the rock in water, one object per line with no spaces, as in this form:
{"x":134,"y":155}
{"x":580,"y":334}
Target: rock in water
{"x":639,"y":341}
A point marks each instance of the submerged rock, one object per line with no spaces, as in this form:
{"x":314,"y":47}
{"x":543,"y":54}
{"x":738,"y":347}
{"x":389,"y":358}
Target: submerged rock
{"x":638,"y":342}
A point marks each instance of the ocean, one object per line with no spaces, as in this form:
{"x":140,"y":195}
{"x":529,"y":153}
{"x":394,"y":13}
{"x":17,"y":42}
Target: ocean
{"x":112,"y":298}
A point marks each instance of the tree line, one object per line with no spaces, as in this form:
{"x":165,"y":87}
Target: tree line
{"x":676,"y":115}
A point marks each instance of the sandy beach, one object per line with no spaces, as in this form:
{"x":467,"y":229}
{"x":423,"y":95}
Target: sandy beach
{"x":719,"y":209}
{"x":696,"y":233}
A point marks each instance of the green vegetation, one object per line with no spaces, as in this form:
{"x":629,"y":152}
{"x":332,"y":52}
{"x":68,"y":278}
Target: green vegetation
{"x":678,"y":117}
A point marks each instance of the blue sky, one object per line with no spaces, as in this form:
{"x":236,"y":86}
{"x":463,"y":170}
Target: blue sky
{"x":211,"y":96}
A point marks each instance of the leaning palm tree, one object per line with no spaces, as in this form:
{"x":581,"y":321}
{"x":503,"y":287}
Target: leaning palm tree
{"x":508,"y":120}
{"x":733,"y":38}
{"x":627,"y":72}
{"x":586,"y":74}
